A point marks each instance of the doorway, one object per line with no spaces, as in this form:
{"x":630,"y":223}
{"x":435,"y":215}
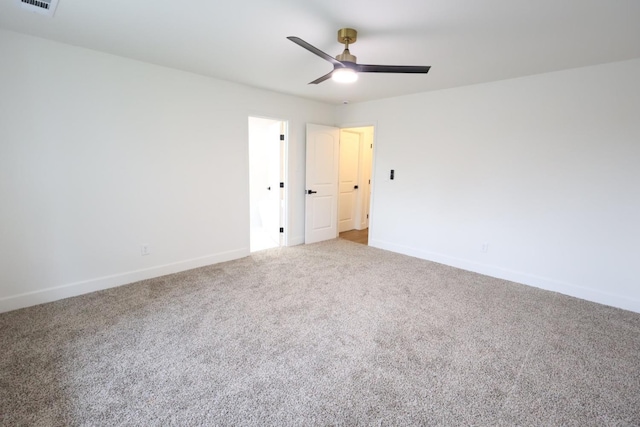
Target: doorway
{"x":354,"y":183}
{"x":267,"y":154}
{"x":337,"y":191}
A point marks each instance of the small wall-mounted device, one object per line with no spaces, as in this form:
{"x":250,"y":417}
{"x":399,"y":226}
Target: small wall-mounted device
{"x":391,"y":175}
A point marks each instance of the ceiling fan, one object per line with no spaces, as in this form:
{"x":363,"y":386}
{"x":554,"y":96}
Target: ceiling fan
{"x":345,"y":68}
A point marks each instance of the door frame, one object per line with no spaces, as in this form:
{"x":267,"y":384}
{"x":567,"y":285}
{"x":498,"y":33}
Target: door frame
{"x":355,"y":195}
{"x":373,"y":124}
{"x":284,"y":166}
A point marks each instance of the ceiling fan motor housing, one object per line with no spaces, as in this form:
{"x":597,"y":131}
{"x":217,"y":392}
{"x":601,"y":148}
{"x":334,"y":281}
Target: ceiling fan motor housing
{"x":346,"y":56}
{"x":347,"y":36}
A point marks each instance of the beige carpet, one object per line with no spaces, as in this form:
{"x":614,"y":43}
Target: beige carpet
{"x":334,"y":333}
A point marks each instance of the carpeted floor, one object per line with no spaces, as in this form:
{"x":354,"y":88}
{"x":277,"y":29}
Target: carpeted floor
{"x":334,"y":333}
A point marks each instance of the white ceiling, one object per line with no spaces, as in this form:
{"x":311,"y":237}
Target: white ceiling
{"x":465,"y":41}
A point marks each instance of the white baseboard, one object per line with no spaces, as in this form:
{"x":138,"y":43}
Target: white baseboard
{"x":28,"y":299}
{"x":545,"y":283}
{"x":56,"y":293}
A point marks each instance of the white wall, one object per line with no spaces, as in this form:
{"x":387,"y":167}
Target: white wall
{"x":100,"y":154}
{"x":545,"y":169}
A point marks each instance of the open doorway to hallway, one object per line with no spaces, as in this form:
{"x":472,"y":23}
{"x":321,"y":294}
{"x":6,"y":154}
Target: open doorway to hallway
{"x":267,"y":154}
{"x":354,"y":199}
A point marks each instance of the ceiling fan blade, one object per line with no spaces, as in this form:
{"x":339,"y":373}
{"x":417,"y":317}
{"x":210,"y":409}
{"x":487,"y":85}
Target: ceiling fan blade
{"x":315,"y":50}
{"x":365,"y":68}
{"x":321,"y":79}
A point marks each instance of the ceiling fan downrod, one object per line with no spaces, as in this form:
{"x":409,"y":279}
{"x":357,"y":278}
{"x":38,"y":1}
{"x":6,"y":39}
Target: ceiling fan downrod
{"x":347,"y":36}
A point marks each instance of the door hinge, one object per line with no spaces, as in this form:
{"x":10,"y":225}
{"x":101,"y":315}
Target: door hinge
{"x":367,"y":216}
{"x":282,"y":185}
{"x":371,"y":146}
{"x":281,"y":137}
{"x":282,"y":229}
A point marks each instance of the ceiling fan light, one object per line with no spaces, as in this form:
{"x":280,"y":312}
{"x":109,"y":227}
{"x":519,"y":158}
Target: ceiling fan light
{"x":344,"y":75}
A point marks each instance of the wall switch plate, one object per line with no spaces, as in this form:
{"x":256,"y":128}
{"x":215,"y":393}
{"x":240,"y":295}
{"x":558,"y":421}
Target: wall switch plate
{"x":485,"y":247}
{"x":144,"y":250}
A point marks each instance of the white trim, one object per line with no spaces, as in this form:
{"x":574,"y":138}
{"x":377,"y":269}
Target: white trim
{"x":541,"y":282}
{"x":364,"y":124}
{"x":285,"y":214}
{"x":56,"y":293}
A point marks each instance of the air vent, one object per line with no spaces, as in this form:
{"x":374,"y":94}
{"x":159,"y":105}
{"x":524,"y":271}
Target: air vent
{"x":44,"y":7}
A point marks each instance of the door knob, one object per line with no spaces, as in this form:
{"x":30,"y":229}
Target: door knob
{"x":269,"y":188}
{"x":355,"y":187}
{"x":311,"y":192}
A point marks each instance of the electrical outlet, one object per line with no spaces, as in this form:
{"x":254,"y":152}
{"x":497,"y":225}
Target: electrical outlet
{"x":144,"y":250}
{"x":485,"y":247}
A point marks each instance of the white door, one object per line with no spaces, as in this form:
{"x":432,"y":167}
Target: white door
{"x":273,"y":214}
{"x":265,"y":167}
{"x":349,"y":173}
{"x":323,"y":150}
